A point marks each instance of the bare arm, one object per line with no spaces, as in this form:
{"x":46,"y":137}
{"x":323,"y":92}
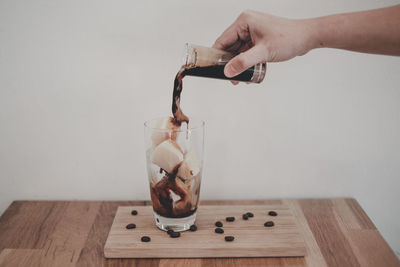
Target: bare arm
{"x":260,"y":37}
{"x":373,"y":31}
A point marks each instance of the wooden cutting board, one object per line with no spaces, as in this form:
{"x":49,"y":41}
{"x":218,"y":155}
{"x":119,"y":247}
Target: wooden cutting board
{"x":252,"y":239}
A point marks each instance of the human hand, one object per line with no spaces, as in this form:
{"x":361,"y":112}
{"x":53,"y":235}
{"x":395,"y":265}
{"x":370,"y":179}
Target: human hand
{"x":258,"y":37}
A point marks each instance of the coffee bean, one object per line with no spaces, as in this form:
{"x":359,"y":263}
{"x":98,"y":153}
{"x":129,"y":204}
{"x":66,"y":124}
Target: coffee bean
{"x":269,"y":224}
{"x":134,"y":212}
{"x":170,"y":231}
{"x":245,"y":217}
{"x":157,"y":220}
{"x":145,"y":239}
{"x":193,"y":228}
{"x":131,"y":226}
{"x":230,"y":219}
{"x":219,"y":224}
{"x":219,"y":230}
{"x":229,"y":238}
{"x":250,"y":215}
{"x":272,"y":213}
{"x":175,"y":234}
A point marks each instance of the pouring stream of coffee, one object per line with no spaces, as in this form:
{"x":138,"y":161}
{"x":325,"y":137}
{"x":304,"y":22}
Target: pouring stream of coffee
{"x":214,"y":71}
{"x":179,"y":117}
{"x":208,"y":62}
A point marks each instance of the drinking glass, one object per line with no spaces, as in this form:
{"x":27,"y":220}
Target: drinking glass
{"x":174,"y":156}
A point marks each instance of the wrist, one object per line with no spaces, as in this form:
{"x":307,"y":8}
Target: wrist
{"x":313,"y":33}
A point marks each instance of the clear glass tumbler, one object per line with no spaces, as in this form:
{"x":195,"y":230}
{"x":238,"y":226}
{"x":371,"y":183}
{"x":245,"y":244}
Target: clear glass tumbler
{"x":174,"y":157}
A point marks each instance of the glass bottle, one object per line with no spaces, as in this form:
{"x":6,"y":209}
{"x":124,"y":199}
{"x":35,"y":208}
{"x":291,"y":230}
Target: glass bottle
{"x":210,"y":62}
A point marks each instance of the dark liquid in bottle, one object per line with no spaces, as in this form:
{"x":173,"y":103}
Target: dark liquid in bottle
{"x":217,"y":72}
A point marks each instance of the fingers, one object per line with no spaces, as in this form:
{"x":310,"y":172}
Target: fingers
{"x":231,"y":39}
{"x":228,"y":38}
{"x":245,"y":60}
{"x":236,"y":38}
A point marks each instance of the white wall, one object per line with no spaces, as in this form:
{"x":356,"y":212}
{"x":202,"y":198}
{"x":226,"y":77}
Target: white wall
{"x":78,"y":79}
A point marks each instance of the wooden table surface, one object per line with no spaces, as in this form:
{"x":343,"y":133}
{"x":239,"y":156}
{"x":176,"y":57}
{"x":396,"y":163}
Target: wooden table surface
{"x":337,"y":232}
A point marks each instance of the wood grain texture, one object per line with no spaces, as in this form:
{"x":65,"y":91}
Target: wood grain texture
{"x":314,"y":256}
{"x":92,"y":251}
{"x":324,"y":225}
{"x":42,"y":233}
{"x":28,"y":224}
{"x":363,"y":237}
{"x":252,"y":239}
{"x":22,"y":257}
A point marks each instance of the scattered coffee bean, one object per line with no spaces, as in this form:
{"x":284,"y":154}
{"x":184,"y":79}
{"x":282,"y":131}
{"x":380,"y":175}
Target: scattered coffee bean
{"x":230,"y":219}
{"x":157,"y":220}
{"x":219,"y":230}
{"x":131,"y":226}
{"x":269,"y":224}
{"x":250,"y":215}
{"x":134,"y":212}
{"x":219,"y":224}
{"x":272,"y":213}
{"x":229,"y":238}
{"x":170,"y":231}
{"x":245,"y":217}
{"x":145,"y":239}
{"x":175,"y":234}
{"x":193,"y":228}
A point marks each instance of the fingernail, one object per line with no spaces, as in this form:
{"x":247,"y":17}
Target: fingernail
{"x":229,"y":71}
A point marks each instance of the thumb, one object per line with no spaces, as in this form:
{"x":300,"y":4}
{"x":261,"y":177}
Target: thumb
{"x":244,"y":60}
